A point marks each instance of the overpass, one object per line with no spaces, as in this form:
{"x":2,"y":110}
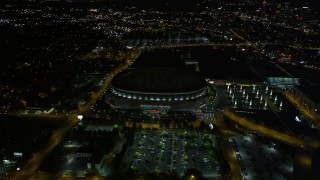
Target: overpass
{"x":229,"y":154}
{"x":307,"y":145}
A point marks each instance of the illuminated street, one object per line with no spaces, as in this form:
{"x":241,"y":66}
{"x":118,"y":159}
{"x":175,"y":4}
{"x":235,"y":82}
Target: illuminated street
{"x":228,"y":151}
{"x":183,"y":89}
{"x":313,"y":116}
{"x":294,"y":141}
{"x":71,"y":120}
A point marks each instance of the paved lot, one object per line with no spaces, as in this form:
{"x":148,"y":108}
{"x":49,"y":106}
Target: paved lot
{"x":259,"y":161}
{"x":169,"y":152}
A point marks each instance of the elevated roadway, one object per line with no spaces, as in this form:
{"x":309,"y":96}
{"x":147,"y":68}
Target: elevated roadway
{"x":235,"y":170}
{"x":307,"y":145}
{"x":309,"y":114}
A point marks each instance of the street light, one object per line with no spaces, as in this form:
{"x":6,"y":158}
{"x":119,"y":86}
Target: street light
{"x":191,"y":177}
{"x":80,"y":117}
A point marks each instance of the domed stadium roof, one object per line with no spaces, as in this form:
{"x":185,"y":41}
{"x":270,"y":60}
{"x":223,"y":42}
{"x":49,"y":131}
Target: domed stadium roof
{"x":158,"y":80}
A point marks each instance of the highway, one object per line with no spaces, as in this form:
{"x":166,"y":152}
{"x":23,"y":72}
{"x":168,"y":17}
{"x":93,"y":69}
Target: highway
{"x":31,"y":167}
{"x":247,"y":41}
{"x":302,"y":165}
{"x":315,"y":118}
{"x":57,"y":137}
{"x":94,"y":97}
{"x":307,"y":145}
{"x":197,"y":45}
{"x":235,"y":170}
{"x":33,"y":164}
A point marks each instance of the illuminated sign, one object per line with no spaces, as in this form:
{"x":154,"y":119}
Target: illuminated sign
{"x":154,"y":111}
{"x":17,"y":154}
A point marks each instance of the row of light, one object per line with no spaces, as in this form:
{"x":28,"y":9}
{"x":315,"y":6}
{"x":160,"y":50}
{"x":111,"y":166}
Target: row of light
{"x":167,"y":98}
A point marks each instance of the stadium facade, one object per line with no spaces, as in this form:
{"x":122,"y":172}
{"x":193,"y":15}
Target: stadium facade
{"x":157,"y":88}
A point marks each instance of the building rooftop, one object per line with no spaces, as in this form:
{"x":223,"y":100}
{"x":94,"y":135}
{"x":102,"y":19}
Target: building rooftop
{"x":159,"y":80}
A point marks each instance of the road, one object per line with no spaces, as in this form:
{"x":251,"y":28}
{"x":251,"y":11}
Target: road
{"x":198,"y":45}
{"x":57,"y":137}
{"x":302,"y":165}
{"x":303,"y":109}
{"x":94,"y":97}
{"x":33,"y":164}
{"x":308,"y":145}
{"x":228,"y":151}
{"x":247,"y":41}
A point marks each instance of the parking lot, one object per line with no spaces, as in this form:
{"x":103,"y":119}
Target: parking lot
{"x":172,"y":152}
{"x":259,"y":161}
